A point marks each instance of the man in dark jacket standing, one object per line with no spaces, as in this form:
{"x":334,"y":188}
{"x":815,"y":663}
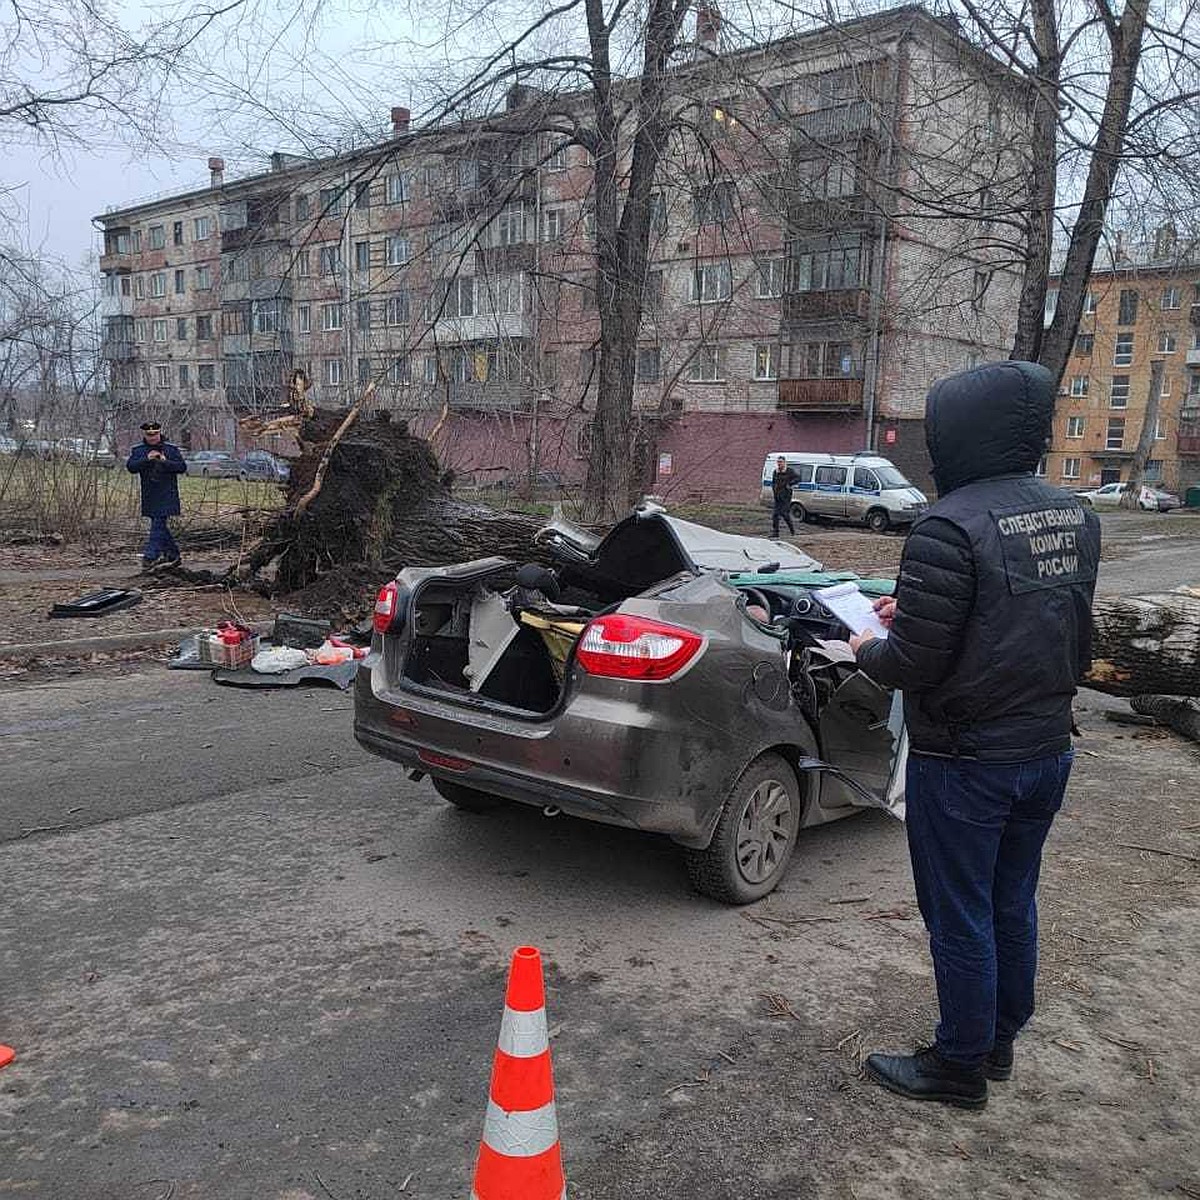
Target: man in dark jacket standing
{"x":990,"y":631}
{"x":158,"y":464}
{"x":783,"y":479}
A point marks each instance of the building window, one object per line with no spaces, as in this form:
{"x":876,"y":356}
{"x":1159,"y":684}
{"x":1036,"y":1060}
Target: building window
{"x":158,"y":284}
{"x":431,"y":368}
{"x":1118,"y":394}
{"x":558,"y":160}
{"x":139,"y":331}
{"x":509,"y":227}
{"x":399,"y":251}
{"x":1079,"y":385}
{"x":331,"y":317}
{"x":329,"y":202}
{"x":362,"y":314}
{"x":331,"y":259}
{"x":712,"y":203}
{"x":1123,"y":350}
{"x":362,"y":193}
{"x":268,"y":316}
{"x":183,"y":375}
{"x":766,"y":362}
{"x":708,"y":366}
{"x":1075,"y":427}
{"x":204,"y":279}
{"x":206,"y":376}
{"x":1127,"y":308}
{"x":181,"y":329}
{"x":177,"y":233}
{"x":1115,"y":437}
{"x":1172,"y":297}
{"x":204,"y":329}
{"x":825,"y":264}
{"x":180,"y":285}
{"x":1090,"y":303}
{"x":823,"y":360}
{"x":455,"y":297}
{"x":1153,"y":472}
{"x":552,"y":225}
{"x":333,"y":372}
{"x":201,"y":229}
{"x":400,"y":371}
{"x":658,"y":212}
{"x":137,"y":241}
{"x":303,"y":318}
{"x":1084,"y":343}
{"x":1166,"y":343}
{"x":396,"y":310}
{"x":395,"y":189}
{"x":1160,"y":429}
{"x":550,"y":368}
{"x":1166,"y":385}
{"x":649,"y":364}
{"x":157,"y":237}
{"x":162,"y":376}
{"x":362,"y":256}
{"x":770,"y":278}
{"x":158,"y":330}
{"x":139,"y":287}
{"x":589,"y":220}
{"x":302,"y":264}
{"x":1070,"y":468}
{"x":712,"y":283}
{"x":364,"y":371}
{"x":1049,"y":307}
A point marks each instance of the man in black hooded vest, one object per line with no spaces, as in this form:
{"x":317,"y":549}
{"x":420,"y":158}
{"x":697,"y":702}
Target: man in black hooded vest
{"x":990,"y":631}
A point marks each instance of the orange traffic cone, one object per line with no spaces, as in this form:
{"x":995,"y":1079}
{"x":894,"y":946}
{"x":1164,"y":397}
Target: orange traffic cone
{"x":520,"y":1157}
{"x":7,"y":1054}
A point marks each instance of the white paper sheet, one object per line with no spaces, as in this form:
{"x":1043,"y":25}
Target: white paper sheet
{"x":848,"y":604}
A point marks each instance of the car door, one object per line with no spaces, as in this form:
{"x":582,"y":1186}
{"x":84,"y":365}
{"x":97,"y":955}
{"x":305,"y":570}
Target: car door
{"x":828,"y":497}
{"x":862,"y":736}
{"x":862,"y":494}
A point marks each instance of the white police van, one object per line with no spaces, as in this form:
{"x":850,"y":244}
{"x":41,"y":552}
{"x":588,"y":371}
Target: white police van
{"x":847,"y":487}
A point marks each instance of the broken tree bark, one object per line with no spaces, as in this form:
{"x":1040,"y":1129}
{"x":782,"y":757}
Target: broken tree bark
{"x":1181,"y":715}
{"x":1146,"y":645}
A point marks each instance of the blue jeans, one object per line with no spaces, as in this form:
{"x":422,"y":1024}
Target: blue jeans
{"x":160,"y":541}
{"x":975,"y":836}
{"x":783,"y":509}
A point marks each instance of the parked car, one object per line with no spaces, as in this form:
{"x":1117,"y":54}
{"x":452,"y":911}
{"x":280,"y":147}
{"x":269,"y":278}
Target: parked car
{"x":668,"y":677}
{"x":9,"y":445}
{"x":1149,"y":499}
{"x":261,"y":464}
{"x":85,"y":450}
{"x":847,"y":487}
{"x":215,"y":464}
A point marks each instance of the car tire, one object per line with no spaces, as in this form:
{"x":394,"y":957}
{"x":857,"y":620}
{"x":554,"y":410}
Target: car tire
{"x":203,"y":472}
{"x":242,"y":476}
{"x":468,"y":799}
{"x":799,"y":512}
{"x":1085,"y":502}
{"x":754,"y":839}
{"x":878,"y":521}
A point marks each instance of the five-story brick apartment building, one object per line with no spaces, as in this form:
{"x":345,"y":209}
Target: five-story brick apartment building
{"x":1142,"y":306}
{"x":822,"y":249}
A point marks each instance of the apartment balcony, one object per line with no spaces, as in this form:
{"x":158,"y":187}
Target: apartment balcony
{"x":1195,"y":312}
{"x":834,"y":124}
{"x":482,"y":327}
{"x":118,"y":350}
{"x":838,"y":395}
{"x":116,"y":264}
{"x":275,"y":286}
{"x":237,"y":345}
{"x":494,"y":260}
{"x":1192,"y":358}
{"x":116,"y":306}
{"x":491,"y":396}
{"x":820,"y":216}
{"x":841,"y":304}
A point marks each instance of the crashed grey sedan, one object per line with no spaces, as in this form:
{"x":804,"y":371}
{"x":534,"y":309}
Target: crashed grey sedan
{"x":667,"y":677}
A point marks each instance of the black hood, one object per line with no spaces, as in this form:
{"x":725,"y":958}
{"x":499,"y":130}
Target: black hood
{"x":993,"y":420}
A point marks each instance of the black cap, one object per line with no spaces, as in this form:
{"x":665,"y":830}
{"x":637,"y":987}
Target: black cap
{"x":151,"y":427}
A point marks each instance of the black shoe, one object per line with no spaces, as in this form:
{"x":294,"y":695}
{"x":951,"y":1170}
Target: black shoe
{"x":926,"y":1075}
{"x":150,"y":564}
{"x":999,"y":1063}
{"x":165,"y":564}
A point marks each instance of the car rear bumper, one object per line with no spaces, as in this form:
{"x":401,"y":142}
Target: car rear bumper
{"x":589,"y":760}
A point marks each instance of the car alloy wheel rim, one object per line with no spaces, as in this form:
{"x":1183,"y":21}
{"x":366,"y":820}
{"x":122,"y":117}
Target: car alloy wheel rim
{"x":764,"y":831}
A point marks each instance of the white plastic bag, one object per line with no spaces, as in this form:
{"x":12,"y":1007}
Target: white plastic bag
{"x":277,"y":659}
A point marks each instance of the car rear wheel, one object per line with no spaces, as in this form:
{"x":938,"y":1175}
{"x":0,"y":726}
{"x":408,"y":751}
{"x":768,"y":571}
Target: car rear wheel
{"x":755,"y":836}
{"x":468,"y":799}
{"x":878,"y":521}
{"x":799,"y":511}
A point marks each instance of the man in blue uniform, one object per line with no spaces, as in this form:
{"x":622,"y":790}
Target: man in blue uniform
{"x":158,"y":464}
{"x":990,"y":631}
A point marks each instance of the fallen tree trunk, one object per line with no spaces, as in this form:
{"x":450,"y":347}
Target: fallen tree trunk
{"x":1146,"y":645}
{"x":1183,"y":716}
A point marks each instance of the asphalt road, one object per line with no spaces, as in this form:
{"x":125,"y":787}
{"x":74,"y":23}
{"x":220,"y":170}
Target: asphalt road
{"x":241,"y":958}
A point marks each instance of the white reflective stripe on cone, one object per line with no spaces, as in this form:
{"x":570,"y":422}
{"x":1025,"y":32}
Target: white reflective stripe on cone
{"x":520,"y":1134}
{"x":523,"y":1034}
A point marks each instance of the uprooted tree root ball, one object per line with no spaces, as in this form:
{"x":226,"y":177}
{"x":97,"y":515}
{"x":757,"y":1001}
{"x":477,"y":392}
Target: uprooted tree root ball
{"x":382,"y":503}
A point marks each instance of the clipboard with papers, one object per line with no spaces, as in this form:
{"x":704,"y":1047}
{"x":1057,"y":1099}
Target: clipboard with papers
{"x":851,"y":607}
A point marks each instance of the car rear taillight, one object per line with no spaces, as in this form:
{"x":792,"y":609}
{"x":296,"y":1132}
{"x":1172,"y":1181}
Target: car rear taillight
{"x":390,"y":607}
{"x":622,"y":646}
